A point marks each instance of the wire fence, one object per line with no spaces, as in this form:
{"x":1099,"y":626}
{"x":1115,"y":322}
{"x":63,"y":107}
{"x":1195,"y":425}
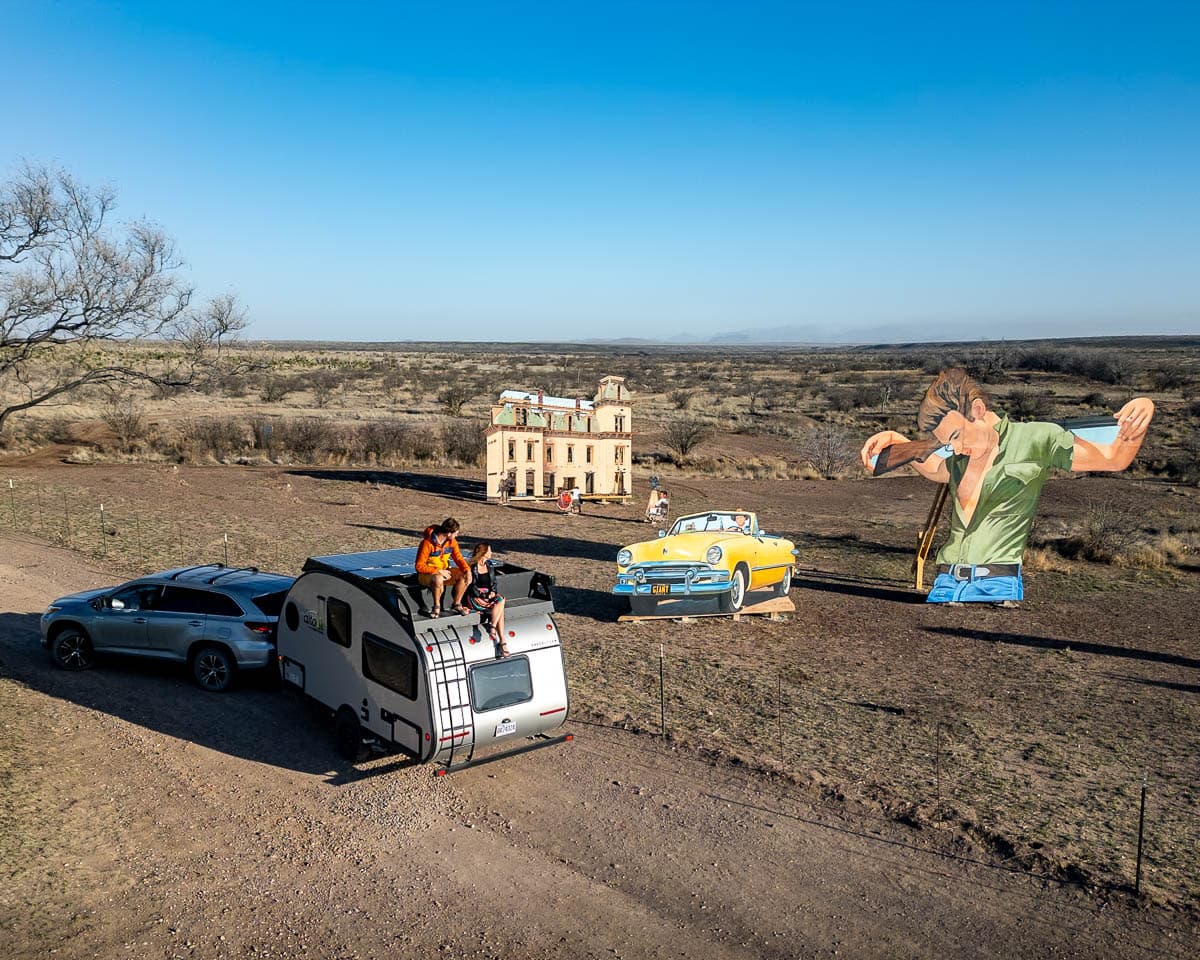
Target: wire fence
{"x":1077,"y":809}
{"x":1060,"y":800}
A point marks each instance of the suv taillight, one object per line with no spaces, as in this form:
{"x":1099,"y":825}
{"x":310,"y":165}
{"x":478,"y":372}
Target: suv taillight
{"x":265,"y":630}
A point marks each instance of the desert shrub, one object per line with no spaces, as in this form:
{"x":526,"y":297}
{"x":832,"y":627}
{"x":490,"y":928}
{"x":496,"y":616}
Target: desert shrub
{"x":308,"y":439}
{"x":421,"y":442}
{"x":168,"y":391}
{"x":322,"y":384}
{"x":1028,"y":404}
{"x":684,"y":434}
{"x":381,"y":440}
{"x":866,"y":395}
{"x":840,"y":399}
{"x":125,"y":416}
{"x":464,"y":441}
{"x":989,"y":366}
{"x":56,"y":429}
{"x":1110,"y":530}
{"x":1142,"y":556}
{"x":216,"y":436}
{"x":235,"y":385}
{"x":1184,"y":463}
{"x":827,"y":448}
{"x":274,"y":389}
{"x":453,"y":397}
{"x":680,"y":399}
{"x":1096,"y":399}
{"x":393,"y":382}
{"x":1169,"y":376}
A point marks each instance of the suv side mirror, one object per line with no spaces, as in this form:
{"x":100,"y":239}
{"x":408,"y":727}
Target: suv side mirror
{"x":116,"y":604}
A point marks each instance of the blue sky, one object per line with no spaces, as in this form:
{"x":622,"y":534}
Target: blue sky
{"x":881,"y":171}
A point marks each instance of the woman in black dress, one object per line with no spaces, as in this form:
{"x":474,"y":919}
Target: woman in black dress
{"x":483,"y":598}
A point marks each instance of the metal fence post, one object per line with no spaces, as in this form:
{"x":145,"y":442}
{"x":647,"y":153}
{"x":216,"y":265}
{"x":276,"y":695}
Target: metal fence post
{"x":937,"y":759}
{"x":662,"y":689}
{"x":103,"y":548}
{"x":1137,"y":882}
{"x":12,"y":501}
{"x":779,"y":711}
{"x":66,"y":522}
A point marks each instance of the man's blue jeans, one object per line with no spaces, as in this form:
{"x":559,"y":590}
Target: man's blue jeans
{"x":949,"y":589}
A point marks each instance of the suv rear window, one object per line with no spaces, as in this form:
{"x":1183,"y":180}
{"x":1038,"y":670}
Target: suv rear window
{"x":220,"y":605}
{"x":271,"y":603}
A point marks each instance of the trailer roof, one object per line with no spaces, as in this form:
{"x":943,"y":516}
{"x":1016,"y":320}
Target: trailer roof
{"x":372,"y":565}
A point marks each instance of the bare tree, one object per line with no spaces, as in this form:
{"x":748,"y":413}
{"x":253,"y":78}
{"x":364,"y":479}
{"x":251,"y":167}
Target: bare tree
{"x":69,"y":284}
{"x":828,"y":449}
{"x":684,"y":434}
{"x":453,"y":398}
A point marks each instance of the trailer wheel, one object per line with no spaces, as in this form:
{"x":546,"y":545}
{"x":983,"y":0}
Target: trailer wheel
{"x":347,"y":735}
{"x":732,"y":601}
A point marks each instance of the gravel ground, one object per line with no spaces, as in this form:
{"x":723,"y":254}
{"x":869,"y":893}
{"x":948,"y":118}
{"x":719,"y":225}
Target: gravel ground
{"x":145,"y":818}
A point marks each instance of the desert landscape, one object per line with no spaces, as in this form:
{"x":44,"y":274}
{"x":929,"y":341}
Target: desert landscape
{"x":902,"y":773}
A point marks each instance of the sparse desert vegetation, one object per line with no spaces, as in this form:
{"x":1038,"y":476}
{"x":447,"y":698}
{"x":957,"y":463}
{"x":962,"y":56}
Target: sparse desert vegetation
{"x":1026,"y":732}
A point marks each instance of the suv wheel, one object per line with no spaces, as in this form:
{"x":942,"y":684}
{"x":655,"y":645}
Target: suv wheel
{"x":213,"y":669}
{"x":72,"y":650}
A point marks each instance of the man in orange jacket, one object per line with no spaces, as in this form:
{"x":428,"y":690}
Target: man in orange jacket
{"x":438,"y":549}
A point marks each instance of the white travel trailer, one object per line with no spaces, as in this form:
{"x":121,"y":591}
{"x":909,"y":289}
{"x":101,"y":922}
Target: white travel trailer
{"x":355,"y":635}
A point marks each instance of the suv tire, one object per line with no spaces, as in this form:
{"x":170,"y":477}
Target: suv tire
{"x":213,"y":668}
{"x":71,"y":649}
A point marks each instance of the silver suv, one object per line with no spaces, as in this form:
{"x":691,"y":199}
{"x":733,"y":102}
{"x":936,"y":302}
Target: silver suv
{"x":214,"y":618}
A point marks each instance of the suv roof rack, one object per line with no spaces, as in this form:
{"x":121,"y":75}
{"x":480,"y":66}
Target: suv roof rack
{"x":224,"y":573}
{"x":200,"y":566}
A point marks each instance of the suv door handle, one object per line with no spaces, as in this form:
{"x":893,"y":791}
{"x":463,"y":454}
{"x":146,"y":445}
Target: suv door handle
{"x":195,"y":623}
{"x":139,"y":619}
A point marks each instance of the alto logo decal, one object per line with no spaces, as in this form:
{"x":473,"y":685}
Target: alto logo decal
{"x":313,"y":621}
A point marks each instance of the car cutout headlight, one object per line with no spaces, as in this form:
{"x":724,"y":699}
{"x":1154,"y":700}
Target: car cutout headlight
{"x":713,"y":555}
{"x":624,"y":558}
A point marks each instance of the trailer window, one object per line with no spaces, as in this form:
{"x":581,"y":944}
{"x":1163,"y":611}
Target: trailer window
{"x":501,"y":684}
{"x":390,"y":666}
{"x":337,"y":621}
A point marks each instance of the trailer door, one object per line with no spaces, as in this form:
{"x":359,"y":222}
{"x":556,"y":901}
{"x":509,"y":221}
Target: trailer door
{"x":391,"y":673}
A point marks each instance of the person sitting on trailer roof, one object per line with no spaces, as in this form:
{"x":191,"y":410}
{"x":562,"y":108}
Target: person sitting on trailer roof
{"x":483,"y":597}
{"x":439,"y":547}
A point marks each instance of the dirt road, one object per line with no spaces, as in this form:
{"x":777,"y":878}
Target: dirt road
{"x":144,"y":818}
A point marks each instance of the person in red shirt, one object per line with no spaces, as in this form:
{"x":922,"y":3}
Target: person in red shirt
{"x":439,"y":561}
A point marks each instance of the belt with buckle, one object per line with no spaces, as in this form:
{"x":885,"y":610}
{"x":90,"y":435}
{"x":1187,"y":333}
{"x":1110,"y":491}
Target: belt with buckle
{"x":968,"y":571}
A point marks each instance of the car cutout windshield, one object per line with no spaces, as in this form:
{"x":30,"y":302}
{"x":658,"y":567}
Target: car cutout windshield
{"x":723,"y":522}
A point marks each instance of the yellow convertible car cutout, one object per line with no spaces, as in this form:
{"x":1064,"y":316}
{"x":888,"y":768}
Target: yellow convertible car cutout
{"x":720,"y":553}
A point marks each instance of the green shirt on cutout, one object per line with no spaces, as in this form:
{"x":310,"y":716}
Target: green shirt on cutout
{"x":1008,"y":498}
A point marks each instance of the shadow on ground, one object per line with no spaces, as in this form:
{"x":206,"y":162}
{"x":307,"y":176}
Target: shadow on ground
{"x":1076,"y":646}
{"x":850,"y":588}
{"x":452,"y":488}
{"x":254,"y":721}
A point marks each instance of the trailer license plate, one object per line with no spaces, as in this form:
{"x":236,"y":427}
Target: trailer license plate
{"x":507,"y":727}
{"x":660,"y":588}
